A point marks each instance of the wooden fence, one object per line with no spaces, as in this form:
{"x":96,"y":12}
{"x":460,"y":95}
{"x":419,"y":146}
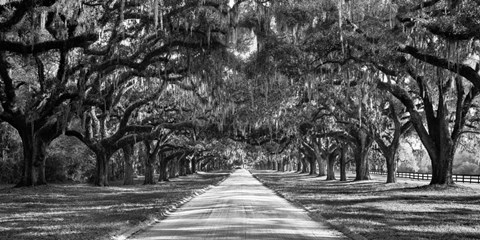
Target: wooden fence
{"x":464,"y":178}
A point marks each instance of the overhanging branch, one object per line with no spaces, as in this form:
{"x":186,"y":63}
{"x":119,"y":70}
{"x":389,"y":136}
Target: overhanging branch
{"x":79,"y":41}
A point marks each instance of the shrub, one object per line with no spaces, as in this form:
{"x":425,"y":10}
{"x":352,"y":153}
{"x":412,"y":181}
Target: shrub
{"x":11,"y":170}
{"x":68,"y":159}
{"x":466,"y":163}
{"x":10,"y":154}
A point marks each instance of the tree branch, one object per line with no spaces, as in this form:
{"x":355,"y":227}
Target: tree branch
{"x":461,"y":69}
{"x":65,"y":45}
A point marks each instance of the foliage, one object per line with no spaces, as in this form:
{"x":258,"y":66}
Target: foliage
{"x":466,"y":163}
{"x":69,"y":160}
{"x":11,"y":153}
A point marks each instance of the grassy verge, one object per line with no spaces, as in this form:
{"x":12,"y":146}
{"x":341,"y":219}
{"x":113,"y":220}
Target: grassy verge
{"x":80,"y":211}
{"x":375,"y":210}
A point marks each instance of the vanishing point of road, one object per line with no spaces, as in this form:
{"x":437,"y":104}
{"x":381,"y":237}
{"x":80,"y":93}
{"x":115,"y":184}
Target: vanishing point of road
{"x":239,"y":208}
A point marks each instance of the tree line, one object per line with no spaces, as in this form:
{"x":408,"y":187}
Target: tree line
{"x":111,"y":74}
{"x":366,"y":74}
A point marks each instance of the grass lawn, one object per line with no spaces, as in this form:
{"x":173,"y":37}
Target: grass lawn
{"x":81,"y":211}
{"x":375,"y":210}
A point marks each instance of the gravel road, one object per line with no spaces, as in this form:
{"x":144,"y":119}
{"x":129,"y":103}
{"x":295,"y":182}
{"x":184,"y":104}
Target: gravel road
{"x":239,"y":208}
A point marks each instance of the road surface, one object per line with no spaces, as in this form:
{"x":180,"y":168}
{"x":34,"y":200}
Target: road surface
{"x":239,"y":208}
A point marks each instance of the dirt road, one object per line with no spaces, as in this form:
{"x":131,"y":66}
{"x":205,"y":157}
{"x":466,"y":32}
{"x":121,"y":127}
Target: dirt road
{"x":239,"y":208}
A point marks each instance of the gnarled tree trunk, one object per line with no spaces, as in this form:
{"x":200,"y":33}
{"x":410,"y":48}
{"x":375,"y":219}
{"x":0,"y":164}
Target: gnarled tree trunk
{"x":101,"y":174}
{"x":321,"y":167}
{"x":361,"y":165}
{"x":30,"y":171}
{"x":363,"y":144}
{"x":442,"y":165}
{"x":331,"y":164}
{"x":391,"y":167}
{"x":35,"y":143}
{"x":163,"y":168}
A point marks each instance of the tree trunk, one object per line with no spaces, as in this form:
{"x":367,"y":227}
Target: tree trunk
{"x":391,"y":167}
{"x":362,"y":148}
{"x":442,"y":165}
{"x":101,"y":175}
{"x":182,"y":164}
{"x":163,"y":171}
{"x":34,"y":156}
{"x":312,"y":166}
{"x":128,"y":165}
{"x":321,"y":167}
{"x":112,"y":176}
{"x":331,"y":165}
{"x":361,"y":165}
{"x":194,"y":165}
{"x":304,"y":166}
{"x":149,"y":173}
{"x":441,"y":149}
{"x":149,"y":169}
{"x":30,"y":172}
{"x":188,"y":168}
{"x":321,"y":162}
{"x":343,"y":161}
{"x":172,"y":168}
{"x":40,"y":160}
{"x":176,"y":167}
{"x":35,"y":140}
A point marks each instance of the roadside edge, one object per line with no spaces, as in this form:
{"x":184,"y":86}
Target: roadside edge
{"x":130,"y":231}
{"x":315,"y":217}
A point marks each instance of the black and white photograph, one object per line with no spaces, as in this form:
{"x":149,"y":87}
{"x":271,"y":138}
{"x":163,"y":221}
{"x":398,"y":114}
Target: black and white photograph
{"x":239,"y":119}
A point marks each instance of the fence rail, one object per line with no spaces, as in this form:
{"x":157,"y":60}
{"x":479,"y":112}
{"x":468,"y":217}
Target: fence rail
{"x":463,"y":178}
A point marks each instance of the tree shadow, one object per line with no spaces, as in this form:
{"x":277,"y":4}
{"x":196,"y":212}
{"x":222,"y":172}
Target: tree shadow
{"x":394,"y":211}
